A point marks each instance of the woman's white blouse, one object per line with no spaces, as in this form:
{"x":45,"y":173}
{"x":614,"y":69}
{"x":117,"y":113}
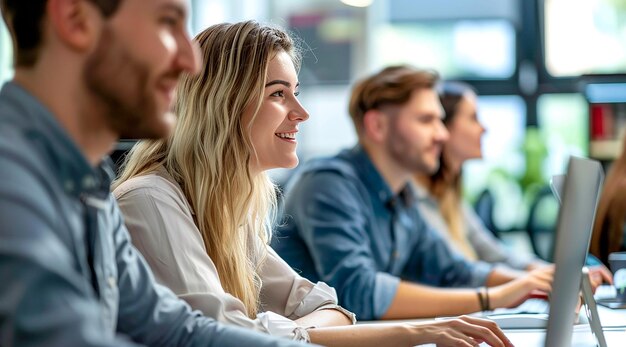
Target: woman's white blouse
{"x":162,"y":228}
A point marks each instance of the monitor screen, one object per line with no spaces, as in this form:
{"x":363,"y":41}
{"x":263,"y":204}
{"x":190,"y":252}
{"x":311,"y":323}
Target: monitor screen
{"x":580,"y":195}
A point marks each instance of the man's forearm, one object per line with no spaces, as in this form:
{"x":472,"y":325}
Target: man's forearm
{"x":501,"y":275}
{"x":419,"y":301}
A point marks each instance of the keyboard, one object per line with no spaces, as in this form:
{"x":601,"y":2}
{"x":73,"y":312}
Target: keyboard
{"x":531,"y":314}
{"x":532,"y":305}
{"x":606,"y":295}
{"x":520,"y":320}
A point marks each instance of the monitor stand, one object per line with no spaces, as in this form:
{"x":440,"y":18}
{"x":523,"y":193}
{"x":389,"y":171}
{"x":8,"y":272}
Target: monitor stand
{"x":592,"y":309}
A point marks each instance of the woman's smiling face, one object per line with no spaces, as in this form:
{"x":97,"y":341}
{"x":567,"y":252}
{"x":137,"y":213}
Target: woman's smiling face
{"x":273,"y":131}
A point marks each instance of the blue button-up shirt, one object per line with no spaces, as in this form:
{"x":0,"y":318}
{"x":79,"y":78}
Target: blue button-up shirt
{"x":343,"y":225}
{"x":68,"y":273}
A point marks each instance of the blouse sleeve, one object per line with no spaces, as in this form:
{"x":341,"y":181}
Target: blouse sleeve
{"x":487,"y":246}
{"x":287,"y":293}
{"x":162,"y":229}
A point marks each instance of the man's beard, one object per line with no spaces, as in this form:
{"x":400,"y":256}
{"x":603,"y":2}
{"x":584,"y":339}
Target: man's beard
{"x":399,"y":148}
{"x":121,"y":86}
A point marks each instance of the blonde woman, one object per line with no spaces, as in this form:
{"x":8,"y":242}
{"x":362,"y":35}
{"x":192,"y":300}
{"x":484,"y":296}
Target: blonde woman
{"x":198,"y":205}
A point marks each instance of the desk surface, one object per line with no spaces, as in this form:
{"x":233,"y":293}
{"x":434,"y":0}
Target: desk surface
{"x":612,"y":318}
{"x":582,"y":337}
{"x":613,"y":323}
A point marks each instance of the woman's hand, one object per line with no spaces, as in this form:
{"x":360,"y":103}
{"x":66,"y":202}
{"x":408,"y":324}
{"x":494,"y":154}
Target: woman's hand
{"x":464,"y":331}
{"x":537,"y":264}
{"x":513,"y":293}
{"x":598,"y":275}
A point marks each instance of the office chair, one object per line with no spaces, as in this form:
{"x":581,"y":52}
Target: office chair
{"x":484,"y":209}
{"x":541,"y":223}
{"x":122,"y":147}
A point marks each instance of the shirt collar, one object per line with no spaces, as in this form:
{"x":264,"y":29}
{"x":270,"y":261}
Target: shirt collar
{"x":421,"y":193}
{"x":376,"y":183}
{"x":70,"y":166}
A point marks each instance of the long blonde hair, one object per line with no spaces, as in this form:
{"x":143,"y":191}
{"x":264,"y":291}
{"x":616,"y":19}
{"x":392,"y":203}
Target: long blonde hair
{"x":209,"y":151}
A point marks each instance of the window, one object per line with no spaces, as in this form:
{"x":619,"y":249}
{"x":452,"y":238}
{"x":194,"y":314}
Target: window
{"x":584,"y":36}
{"x":329,"y":128}
{"x":457,"y":49}
{"x":328,"y":37}
{"x":504,"y":118}
{"x":563,"y":123}
{"x":6,"y":54}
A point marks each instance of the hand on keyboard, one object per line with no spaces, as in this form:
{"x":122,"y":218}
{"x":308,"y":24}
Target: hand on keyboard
{"x":513,"y":293}
{"x":531,"y":306}
{"x":456,"y":330}
{"x":539,"y":294}
{"x":598,"y":275}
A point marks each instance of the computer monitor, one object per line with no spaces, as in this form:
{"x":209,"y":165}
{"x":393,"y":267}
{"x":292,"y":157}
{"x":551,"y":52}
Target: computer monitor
{"x":580,"y":195}
{"x":556,"y":185}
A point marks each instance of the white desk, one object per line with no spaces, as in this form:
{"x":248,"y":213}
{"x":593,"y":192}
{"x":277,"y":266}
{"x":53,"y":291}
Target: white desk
{"x":613,"y":322}
{"x":612,"y":318}
{"x":582,"y":337}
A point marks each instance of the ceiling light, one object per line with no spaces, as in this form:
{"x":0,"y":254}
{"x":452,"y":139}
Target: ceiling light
{"x":357,"y":3}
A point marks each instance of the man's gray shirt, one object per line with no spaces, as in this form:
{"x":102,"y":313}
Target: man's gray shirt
{"x":69,"y":275}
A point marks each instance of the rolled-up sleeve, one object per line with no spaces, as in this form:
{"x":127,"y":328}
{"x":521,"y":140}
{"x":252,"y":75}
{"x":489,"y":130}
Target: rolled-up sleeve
{"x":291,"y":295}
{"x":384,"y":292}
{"x":333,"y":223}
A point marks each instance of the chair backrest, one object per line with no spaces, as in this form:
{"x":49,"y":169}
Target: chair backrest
{"x":119,"y":153}
{"x":541,"y":222}
{"x":484,"y":209}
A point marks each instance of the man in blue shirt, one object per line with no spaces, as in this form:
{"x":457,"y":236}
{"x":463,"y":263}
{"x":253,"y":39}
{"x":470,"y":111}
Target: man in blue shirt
{"x":87,"y":72}
{"x":350,"y":220}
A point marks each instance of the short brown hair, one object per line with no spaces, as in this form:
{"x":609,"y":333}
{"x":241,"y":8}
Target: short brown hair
{"x":24,"y":19}
{"x":392,"y":86}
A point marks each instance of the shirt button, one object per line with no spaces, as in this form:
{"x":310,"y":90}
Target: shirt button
{"x":112,"y":282}
{"x":89,"y":182}
{"x":382,"y":195}
{"x":395,"y":254}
